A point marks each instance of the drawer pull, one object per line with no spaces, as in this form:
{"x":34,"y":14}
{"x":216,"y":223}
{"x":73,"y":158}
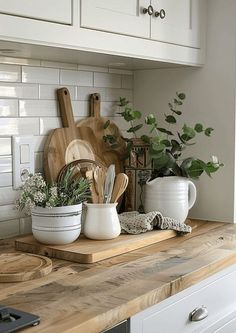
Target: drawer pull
{"x":198,"y":314}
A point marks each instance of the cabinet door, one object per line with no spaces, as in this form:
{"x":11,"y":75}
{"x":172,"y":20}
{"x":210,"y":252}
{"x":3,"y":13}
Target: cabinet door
{"x":183,"y":22}
{"x":123,"y":17}
{"x":59,"y":11}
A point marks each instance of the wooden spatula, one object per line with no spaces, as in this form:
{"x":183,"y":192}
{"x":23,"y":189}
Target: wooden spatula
{"x":121,"y":183}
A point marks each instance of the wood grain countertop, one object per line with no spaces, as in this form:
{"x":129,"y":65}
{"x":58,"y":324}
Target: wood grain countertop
{"x":89,"y":298}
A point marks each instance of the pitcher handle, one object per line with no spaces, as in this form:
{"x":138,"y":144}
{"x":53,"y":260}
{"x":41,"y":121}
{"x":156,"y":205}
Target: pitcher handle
{"x":192,"y":194}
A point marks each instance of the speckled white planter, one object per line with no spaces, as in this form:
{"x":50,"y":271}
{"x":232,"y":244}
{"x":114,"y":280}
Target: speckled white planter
{"x":57,"y":225}
{"x":172,"y":196}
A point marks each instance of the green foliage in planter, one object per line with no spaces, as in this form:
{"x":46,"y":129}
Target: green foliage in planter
{"x":167,"y":145}
{"x":36,"y":192}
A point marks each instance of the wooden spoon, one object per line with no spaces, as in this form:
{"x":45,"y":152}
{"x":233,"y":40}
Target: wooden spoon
{"x":121,"y":183}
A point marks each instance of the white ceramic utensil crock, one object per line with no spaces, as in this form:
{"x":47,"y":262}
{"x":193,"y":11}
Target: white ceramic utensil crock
{"x":172,"y":196}
{"x":57,"y":225}
{"x":102,"y":221}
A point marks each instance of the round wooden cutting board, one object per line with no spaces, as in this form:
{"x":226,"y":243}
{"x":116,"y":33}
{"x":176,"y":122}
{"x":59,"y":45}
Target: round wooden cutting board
{"x":18,"y":267}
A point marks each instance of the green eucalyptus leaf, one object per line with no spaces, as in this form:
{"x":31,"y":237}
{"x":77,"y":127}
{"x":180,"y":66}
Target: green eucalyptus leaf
{"x":189,"y":132}
{"x":177,"y":112}
{"x":135,"y":128}
{"x":176,"y":146}
{"x":195,"y":170}
{"x":107,"y":123}
{"x":181,"y":96}
{"x":145,"y":138}
{"x":198,"y":128}
{"x":166,"y":143}
{"x":170,"y":119}
{"x":163,"y":130}
{"x":178,"y":102}
{"x":208,"y":131}
{"x":150,"y":119}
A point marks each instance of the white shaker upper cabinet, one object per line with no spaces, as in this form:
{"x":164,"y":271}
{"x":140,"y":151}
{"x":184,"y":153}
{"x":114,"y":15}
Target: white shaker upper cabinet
{"x":117,"y":16}
{"x":178,"y":22}
{"x":58,"y":11}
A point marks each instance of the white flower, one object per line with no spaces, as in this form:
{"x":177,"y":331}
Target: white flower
{"x":39,"y":196}
{"x":53,"y":191}
{"x":215,"y":159}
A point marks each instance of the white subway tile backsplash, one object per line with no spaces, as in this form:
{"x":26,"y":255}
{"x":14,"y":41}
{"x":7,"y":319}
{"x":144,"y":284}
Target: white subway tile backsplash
{"x":8,"y":107}
{"x":19,"y":126}
{"x":83,"y":93}
{"x":18,"y":90}
{"x":39,"y":142}
{"x":7,"y":196}
{"x":114,"y":94}
{"x":40,"y":75}
{"x":47,"y":91}
{"x":120,"y":71}
{"x":9,"y":228}
{"x":9,"y":212}
{"x":107,"y":80}
{"x":10,"y":73}
{"x":31,"y":108}
{"x":5,"y":164}
{"x":109,"y":109}
{"x":80,"y":108}
{"x":19,"y":61}
{"x":63,"y":65}
{"x":79,"y":78}
{"x":25,"y":225}
{"x":5,"y":179}
{"x":127,"y":81}
{"x":93,"y":68}
{"x":38,"y":108}
{"x":47,"y":124}
{"x":5,"y":146}
{"x":38,"y":162}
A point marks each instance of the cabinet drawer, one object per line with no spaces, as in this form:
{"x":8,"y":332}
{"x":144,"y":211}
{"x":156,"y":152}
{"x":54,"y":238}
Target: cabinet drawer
{"x":59,"y":11}
{"x":172,"y":315}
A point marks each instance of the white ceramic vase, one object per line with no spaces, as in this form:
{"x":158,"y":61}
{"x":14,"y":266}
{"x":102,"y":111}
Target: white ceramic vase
{"x":57,"y":225}
{"x":172,"y":196}
{"x":102,"y":221}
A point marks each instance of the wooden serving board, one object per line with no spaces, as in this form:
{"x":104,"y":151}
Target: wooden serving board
{"x":69,"y":143}
{"x":18,"y":267}
{"x":87,"y":251}
{"x":96,"y":123}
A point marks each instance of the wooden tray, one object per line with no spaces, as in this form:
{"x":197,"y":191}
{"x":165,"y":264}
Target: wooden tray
{"x":85,"y":250}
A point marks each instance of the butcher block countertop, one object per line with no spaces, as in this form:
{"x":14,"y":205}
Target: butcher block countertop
{"x":90,"y":298}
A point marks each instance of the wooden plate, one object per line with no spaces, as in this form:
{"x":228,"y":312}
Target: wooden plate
{"x":18,"y":267}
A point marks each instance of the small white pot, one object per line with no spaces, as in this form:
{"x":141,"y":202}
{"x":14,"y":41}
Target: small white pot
{"x":102,"y":221}
{"x":57,"y":225}
{"x":172,"y":196}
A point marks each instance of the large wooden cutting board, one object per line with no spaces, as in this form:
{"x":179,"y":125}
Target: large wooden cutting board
{"x":96,"y":123}
{"x":18,"y":267}
{"x":85,"y":250}
{"x":69,"y":143}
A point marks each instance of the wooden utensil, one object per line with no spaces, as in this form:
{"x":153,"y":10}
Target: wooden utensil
{"x":109,"y":183}
{"x":94,"y":194}
{"x":17,"y":267}
{"x":68,"y":143}
{"x":100,"y":176}
{"x":96,"y":123}
{"x":121,"y":183}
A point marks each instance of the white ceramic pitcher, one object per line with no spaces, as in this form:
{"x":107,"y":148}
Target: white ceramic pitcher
{"x":172,"y":196}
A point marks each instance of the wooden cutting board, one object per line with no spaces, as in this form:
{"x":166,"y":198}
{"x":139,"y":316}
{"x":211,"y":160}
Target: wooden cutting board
{"x":96,"y":123}
{"x":88,"y":251}
{"x":69,"y":143}
{"x":18,"y":267}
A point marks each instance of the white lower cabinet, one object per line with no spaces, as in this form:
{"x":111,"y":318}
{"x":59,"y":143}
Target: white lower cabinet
{"x":216,"y":294}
